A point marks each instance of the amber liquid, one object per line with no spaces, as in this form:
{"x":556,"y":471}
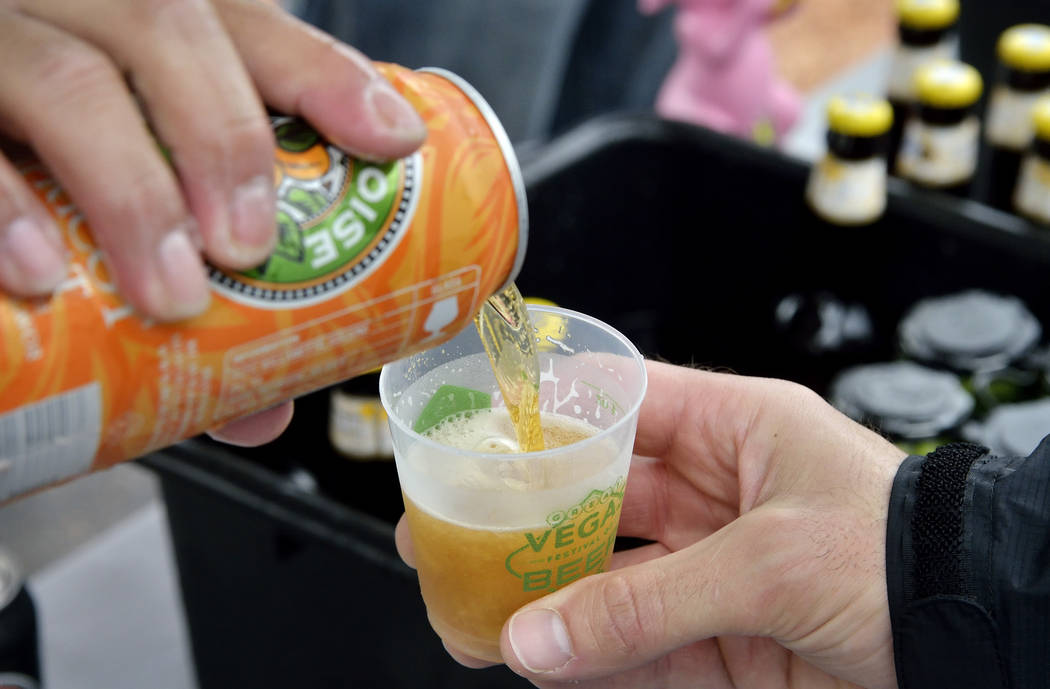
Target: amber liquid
{"x":509,"y":340}
{"x":473,"y":578}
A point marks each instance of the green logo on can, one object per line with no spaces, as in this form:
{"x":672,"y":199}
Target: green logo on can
{"x":337,"y":219}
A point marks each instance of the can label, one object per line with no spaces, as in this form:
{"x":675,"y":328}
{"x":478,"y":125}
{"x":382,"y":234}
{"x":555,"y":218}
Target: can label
{"x":337,"y":220}
{"x":374,"y":262}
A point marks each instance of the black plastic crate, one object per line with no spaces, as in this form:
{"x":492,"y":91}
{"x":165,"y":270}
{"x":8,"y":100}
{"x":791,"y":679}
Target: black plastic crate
{"x":683,"y":239}
{"x":688,"y":241}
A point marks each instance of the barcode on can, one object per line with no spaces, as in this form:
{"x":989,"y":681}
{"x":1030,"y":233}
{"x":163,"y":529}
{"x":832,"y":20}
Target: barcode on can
{"x":50,"y":440}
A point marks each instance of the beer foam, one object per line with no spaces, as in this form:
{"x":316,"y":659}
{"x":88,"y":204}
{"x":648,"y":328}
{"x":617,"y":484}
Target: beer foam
{"x":474,"y":478}
{"x":492,"y":431}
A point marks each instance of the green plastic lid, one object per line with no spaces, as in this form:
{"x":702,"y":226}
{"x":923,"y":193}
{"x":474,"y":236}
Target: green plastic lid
{"x":902,"y":399}
{"x":449,"y":400}
{"x":970,"y":331}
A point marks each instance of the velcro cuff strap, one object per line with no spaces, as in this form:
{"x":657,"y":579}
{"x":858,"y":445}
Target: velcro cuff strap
{"x":937,"y":561}
{"x":942,"y":636}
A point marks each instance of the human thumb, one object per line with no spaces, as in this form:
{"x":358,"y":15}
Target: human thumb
{"x":611,"y":622}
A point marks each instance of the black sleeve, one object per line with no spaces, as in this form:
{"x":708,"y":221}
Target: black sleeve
{"x":968,"y":569}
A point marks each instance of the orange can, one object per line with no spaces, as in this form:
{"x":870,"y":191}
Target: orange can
{"x":374,"y":262}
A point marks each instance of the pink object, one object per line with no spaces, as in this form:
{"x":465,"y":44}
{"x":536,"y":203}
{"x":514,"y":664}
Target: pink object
{"x":725,"y":76}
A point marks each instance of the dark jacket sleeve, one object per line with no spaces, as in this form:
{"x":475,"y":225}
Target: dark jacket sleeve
{"x":968,"y":569}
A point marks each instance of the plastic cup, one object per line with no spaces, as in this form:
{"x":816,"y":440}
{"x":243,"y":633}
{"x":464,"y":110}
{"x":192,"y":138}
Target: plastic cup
{"x":492,"y":532}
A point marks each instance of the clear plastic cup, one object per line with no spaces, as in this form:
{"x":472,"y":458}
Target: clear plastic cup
{"x":492,"y":532}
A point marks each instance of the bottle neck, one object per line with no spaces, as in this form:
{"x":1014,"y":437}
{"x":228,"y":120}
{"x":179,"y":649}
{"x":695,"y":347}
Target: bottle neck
{"x":943,"y":117}
{"x":1041,"y":147}
{"x":848,"y":147}
{"x":922,"y":38}
{"x":1020,"y":80}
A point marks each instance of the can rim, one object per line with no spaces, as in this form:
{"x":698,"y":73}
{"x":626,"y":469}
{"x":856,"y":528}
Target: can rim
{"x":10,"y":578}
{"x":509,"y":156}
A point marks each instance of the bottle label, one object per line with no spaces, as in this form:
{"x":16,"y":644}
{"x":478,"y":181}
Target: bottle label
{"x":907,"y":59}
{"x":939,"y":156}
{"x":1033,"y":189}
{"x":848,"y":191}
{"x":1009,"y":123}
{"x":359,"y":426}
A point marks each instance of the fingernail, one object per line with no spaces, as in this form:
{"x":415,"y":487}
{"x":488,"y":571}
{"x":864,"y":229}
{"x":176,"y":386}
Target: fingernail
{"x":183,"y":277}
{"x":39,"y":264}
{"x":252,"y":215}
{"x":393,"y":113}
{"x":540,"y":640}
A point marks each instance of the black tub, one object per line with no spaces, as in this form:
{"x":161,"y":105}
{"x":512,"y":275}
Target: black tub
{"x":688,"y":242}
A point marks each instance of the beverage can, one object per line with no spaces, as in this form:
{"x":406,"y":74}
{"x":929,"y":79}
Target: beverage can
{"x":19,"y":643}
{"x":374,"y":261}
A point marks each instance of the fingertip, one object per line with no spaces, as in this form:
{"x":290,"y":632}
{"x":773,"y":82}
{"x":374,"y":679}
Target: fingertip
{"x":536,"y":641}
{"x":394,"y":115}
{"x":256,"y":429}
{"x":236,"y":220}
{"x":403,"y":542}
{"x":465,"y":659}
{"x":33,"y":261}
{"x":177,"y":288}
{"x":252,"y":233}
{"x":373,"y":123}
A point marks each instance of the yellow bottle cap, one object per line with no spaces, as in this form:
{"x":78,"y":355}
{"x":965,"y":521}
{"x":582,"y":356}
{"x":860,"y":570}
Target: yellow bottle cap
{"x":538,"y":301}
{"x":1026,"y":47}
{"x":1041,"y":118}
{"x":859,"y":115}
{"x":927,"y":14}
{"x":781,"y":7}
{"x":948,"y":84}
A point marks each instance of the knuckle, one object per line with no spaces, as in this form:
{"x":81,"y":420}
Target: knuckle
{"x":629,"y":613}
{"x":335,"y":57}
{"x":69,"y":70}
{"x":225,"y":144}
{"x":249,"y":133}
{"x":788,"y":570}
{"x":147,"y":205}
{"x":157,"y":11}
{"x":796,"y":393}
{"x":13,"y":197}
{"x":792,"y":400}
